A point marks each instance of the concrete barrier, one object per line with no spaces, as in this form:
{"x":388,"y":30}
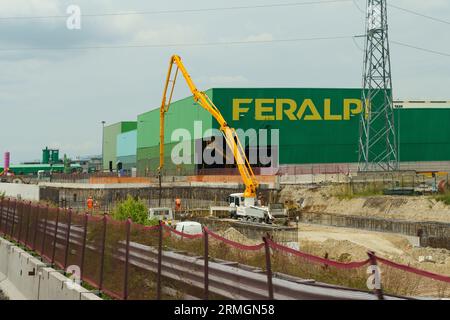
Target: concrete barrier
{"x":20,"y":190}
{"x":23,"y":277}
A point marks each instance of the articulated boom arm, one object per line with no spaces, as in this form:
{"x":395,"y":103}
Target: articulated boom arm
{"x":229,"y":133}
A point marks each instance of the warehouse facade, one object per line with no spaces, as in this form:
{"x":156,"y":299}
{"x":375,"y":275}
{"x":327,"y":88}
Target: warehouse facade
{"x":314,"y":126}
{"x":109,"y":143}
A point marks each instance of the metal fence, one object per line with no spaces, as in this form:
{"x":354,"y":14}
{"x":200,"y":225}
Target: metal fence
{"x":130,"y":261}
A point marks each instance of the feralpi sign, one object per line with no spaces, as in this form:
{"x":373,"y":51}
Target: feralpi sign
{"x":281,"y":109}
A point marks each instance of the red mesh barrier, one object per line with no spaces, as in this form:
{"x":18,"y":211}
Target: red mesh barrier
{"x":20,"y":226}
{"x":28,"y":217}
{"x":121,"y":258}
{"x":290,"y":261}
{"x":9,"y":217}
{"x":41,"y":230}
{"x":399,"y":279}
{"x":49,"y":235}
{"x":182,"y":243}
{"x":61,"y":238}
{"x":15,"y":220}
{"x":91,"y":268}
{"x":34,"y":216}
{"x":114,"y":259}
{"x":77,"y":240}
{"x":230,"y":247}
{"x":143,"y":260}
{"x":4,"y":205}
{"x":233,"y":243}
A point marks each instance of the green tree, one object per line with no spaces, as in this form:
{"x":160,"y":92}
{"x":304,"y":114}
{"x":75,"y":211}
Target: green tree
{"x":135,"y":209}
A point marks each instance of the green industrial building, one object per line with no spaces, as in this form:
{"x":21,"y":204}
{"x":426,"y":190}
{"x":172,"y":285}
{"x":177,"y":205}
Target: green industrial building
{"x":315,"y":126}
{"x":109,"y":144}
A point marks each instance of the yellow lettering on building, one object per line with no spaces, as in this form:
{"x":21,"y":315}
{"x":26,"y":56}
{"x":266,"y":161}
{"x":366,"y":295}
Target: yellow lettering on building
{"x":237,"y":110}
{"x":307,"y":103}
{"x":352,"y":106}
{"x":327,"y":112}
{"x":289,"y":112}
{"x":261,"y":108}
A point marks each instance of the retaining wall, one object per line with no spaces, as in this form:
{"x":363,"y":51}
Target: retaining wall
{"x":193,"y":195}
{"x":23,"y":277}
{"x":431,"y":234}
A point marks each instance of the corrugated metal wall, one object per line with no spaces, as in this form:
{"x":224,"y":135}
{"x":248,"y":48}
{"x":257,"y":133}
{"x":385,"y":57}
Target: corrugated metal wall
{"x":181,"y":115}
{"x":315,"y":125}
{"x":126,"y":149}
{"x":110,"y":134}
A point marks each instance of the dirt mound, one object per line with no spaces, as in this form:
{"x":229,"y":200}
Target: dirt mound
{"x":326,"y":199}
{"x":234,"y":235}
{"x":338,"y":250}
{"x":345,"y":245}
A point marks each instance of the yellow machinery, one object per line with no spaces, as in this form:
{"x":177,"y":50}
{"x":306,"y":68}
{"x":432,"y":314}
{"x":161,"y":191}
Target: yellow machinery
{"x":229,"y":133}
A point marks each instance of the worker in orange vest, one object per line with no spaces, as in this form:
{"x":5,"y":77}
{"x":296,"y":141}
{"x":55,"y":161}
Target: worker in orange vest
{"x":177,"y":204}
{"x":90,"y":203}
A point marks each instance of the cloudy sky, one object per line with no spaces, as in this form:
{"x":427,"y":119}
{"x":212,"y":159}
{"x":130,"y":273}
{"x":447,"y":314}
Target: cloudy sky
{"x":59,"y":97}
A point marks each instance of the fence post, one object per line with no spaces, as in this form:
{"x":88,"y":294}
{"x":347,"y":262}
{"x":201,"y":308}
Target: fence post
{"x":206,"y":262}
{"x":20,"y":220}
{"x":83,"y":245}
{"x":1,"y":213}
{"x":45,"y":230}
{"x":28,"y":223}
{"x":268,"y":267}
{"x":102,"y":255}
{"x":158,"y":276}
{"x":55,"y":235}
{"x":66,"y":252}
{"x":373,"y":261}
{"x":13,"y":219}
{"x":127,"y":259}
{"x":36,"y":227}
{"x":5,"y":228}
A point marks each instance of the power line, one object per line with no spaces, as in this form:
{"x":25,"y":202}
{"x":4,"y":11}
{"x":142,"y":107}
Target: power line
{"x":212,"y":44}
{"x":169,"y":45}
{"x":275,"y":5}
{"x":445,"y":54}
{"x":419,"y":14}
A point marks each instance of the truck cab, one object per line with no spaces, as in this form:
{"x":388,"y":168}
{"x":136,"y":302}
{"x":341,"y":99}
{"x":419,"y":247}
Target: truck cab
{"x":163,"y":214}
{"x":236,"y":199}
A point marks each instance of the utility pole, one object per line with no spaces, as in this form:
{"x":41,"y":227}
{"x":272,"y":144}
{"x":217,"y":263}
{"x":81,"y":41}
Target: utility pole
{"x":377,"y":137}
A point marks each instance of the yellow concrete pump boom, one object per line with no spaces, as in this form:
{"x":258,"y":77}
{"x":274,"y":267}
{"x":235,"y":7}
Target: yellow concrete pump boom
{"x":229,"y":133}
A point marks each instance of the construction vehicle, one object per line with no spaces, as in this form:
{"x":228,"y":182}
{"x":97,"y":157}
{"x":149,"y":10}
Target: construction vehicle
{"x":245,"y":204}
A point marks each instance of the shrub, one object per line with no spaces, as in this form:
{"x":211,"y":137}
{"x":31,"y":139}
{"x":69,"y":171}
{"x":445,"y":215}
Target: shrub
{"x":135,"y":209}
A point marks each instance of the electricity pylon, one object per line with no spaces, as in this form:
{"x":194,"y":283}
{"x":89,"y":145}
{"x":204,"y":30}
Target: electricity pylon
{"x":377,"y":136}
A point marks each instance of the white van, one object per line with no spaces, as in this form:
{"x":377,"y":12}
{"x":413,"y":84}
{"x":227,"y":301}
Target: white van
{"x":189,"y":227}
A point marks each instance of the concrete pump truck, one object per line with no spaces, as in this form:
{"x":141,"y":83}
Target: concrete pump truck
{"x":242,"y":205}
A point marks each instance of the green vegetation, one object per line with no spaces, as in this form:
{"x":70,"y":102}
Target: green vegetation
{"x":2,"y":195}
{"x":443,"y":197}
{"x":135,"y":209}
{"x":349,"y":194}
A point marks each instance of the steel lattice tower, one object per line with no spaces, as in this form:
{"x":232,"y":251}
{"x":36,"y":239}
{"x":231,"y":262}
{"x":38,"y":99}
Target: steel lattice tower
{"x":377,"y":137}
